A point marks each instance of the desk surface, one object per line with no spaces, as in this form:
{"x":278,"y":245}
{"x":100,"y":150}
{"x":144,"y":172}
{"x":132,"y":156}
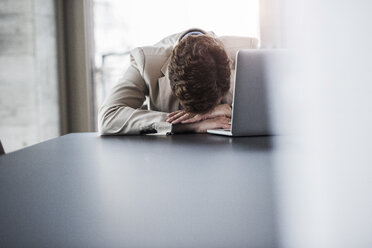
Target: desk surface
{"x":82,"y":190}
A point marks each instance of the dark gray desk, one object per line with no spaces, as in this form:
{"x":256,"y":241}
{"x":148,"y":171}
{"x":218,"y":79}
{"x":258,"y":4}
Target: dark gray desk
{"x":82,"y":190}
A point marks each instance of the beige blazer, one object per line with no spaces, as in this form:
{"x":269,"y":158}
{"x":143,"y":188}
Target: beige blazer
{"x":123,"y":113}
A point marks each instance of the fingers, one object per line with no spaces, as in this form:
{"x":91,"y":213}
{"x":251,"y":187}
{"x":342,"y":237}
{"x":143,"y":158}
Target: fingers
{"x":221,"y":110}
{"x":185,"y":117}
{"x":223,"y":123}
{"x":226,"y":126}
{"x":213,"y":123}
{"x":196,"y":118}
{"x":175,"y":116}
{"x":228,"y":111}
{"x":174,"y":113}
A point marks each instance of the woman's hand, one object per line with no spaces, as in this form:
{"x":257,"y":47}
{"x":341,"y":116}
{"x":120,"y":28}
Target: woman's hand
{"x":181,"y":116}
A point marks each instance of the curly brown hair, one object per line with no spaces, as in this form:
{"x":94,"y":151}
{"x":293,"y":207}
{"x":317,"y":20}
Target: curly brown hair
{"x":199,"y":72}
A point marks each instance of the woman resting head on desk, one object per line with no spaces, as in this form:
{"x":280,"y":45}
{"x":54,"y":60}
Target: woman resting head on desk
{"x":187,"y":79}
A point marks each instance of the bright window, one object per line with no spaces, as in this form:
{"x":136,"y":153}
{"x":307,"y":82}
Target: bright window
{"x":121,"y":25}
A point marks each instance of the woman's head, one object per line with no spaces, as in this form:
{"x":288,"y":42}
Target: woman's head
{"x":199,"y":72}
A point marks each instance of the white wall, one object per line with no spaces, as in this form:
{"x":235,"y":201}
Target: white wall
{"x":29,"y":110}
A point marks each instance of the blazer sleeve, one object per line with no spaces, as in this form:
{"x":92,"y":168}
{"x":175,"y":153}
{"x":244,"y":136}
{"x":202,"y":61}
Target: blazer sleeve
{"x":121,"y":112}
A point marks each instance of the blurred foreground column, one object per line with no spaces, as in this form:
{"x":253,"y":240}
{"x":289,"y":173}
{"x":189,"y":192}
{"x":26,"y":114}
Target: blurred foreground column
{"x":325,"y":183}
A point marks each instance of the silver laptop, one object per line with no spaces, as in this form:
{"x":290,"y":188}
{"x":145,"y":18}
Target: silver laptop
{"x":251,"y":108}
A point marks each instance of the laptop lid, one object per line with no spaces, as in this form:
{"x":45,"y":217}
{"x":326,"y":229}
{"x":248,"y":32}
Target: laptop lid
{"x":251,"y":107}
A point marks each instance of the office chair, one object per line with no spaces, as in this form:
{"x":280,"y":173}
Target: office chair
{"x":2,"y":152}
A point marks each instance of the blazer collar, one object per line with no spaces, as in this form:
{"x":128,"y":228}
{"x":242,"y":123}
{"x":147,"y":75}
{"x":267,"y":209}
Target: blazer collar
{"x":164,"y":68}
